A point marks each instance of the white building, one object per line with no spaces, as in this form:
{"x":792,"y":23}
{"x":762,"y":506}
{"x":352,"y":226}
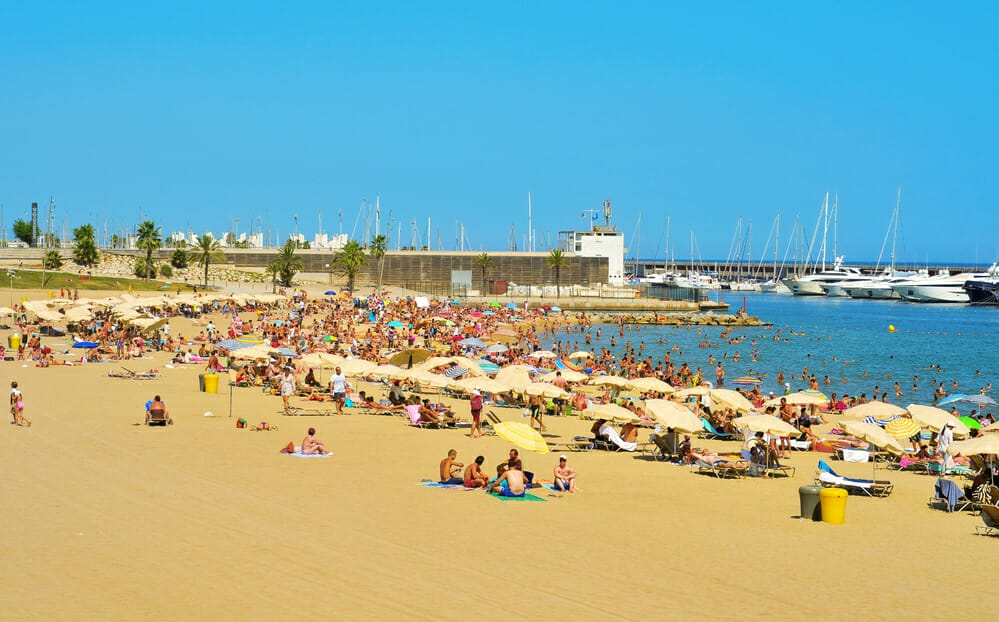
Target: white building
{"x":599,"y":241}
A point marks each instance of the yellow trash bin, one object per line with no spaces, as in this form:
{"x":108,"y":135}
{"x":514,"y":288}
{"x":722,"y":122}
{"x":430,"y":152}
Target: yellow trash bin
{"x":833,"y":502}
{"x":13,"y":342}
{"x":211,"y":383}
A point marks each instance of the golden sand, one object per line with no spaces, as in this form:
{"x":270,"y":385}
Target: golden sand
{"x":107,"y":519}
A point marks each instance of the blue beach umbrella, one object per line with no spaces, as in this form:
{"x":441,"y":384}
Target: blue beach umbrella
{"x":511,"y":305}
{"x":957,"y":397}
{"x":395,"y":324}
{"x":329,"y":293}
{"x":88,"y":345}
{"x":980,"y":400}
{"x":472,"y":342}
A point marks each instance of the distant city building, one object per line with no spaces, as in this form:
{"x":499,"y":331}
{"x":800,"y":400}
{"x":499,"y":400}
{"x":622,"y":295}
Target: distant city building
{"x":599,"y":241}
{"x":333,"y":242}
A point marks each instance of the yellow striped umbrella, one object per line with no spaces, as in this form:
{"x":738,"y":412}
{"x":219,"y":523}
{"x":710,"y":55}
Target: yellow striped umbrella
{"x":522,"y":435}
{"x":902,"y":427}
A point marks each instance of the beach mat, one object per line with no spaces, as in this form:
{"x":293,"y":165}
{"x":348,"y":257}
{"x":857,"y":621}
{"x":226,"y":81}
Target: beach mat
{"x":298,"y":454}
{"x":527,"y":497}
{"x":446,"y":486}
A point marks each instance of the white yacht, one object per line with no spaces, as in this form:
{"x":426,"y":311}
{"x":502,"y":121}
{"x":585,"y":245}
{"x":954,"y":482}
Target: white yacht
{"x":879,"y":288}
{"x":826,"y":282}
{"x":941,"y":287}
{"x":697,"y":280}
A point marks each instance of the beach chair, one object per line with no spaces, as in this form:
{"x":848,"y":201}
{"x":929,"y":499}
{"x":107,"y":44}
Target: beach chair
{"x":711,"y":433}
{"x":957,"y":469}
{"x":990,"y":516}
{"x":660,"y":448}
{"x":157,"y":416}
{"x":726,"y":470}
{"x":828,"y":478}
{"x":578,"y":443}
{"x":952,"y":496}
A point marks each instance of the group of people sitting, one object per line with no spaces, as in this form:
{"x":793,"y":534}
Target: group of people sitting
{"x":511,"y":479}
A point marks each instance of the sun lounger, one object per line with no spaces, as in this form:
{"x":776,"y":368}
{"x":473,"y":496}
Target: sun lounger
{"x":613,"y":441}
{"x":722,"y":469}
{"x":952,"y":496}
{"x":990,"y":516}
{"x":660,"y":448}
{"x":711,"y":433}
{"x":298,"y":411}
{"x":157,"y":416}
{"x":958,"y":469}
{"x":578,"y":443}
{"x":828,"y":478}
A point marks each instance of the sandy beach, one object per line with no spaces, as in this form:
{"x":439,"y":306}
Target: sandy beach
{"x":109,"y":519}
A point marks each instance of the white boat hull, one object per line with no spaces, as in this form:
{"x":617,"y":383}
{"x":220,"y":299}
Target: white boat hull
{"x":802,"y":287}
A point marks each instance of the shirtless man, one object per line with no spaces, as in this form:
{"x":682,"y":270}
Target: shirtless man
{"x":451,"y":469}
{"x":312,"y":445}
{"x":474,"y":477}
{"x":511,"y":484}
{"x":565,"y":475}
{"x":157,"y":406}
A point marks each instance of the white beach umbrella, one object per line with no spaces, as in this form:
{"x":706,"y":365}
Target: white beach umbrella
{"x":673,"y":415}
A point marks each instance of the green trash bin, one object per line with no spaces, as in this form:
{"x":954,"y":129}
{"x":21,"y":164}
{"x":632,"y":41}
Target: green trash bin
{"x":808,"y":496}
{"x":833,"y":501}
{"x":211,"y":383}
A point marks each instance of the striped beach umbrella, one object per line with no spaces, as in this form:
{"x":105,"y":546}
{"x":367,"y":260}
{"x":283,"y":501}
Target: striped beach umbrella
{"x":747,"y":380}
{"x":902,"y":427}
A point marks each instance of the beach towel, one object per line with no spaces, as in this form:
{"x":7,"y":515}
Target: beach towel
{"x":949,"y":492}
{"x":298,"y":454}
{"x":446,"y":486}
{"x":527,"y":497}
{"x":413,"y":410}
{"x":612,"y":435}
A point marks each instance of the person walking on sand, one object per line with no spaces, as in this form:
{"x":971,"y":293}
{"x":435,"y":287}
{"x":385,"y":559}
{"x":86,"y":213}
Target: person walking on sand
{"x":565,"y":475}
{"x":287,"y":388}
{"x":476,"y":406}
{"x":338,"y":389}
{"x":17,"y":405}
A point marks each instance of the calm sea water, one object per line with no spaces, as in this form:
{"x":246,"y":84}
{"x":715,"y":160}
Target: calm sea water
{"x":841,"y":338}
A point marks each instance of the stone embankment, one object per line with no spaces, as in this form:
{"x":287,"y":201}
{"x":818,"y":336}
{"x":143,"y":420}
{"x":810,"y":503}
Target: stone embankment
{"x":681,"y":319}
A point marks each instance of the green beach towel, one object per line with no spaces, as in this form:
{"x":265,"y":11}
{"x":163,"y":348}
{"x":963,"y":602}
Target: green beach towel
{"x":527,"y":497}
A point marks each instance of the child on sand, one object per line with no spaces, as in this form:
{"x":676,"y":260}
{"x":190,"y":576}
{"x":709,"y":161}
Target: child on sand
{"x":17,"y":405}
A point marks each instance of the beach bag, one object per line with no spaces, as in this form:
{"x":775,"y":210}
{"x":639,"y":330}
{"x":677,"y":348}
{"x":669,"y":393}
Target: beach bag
{"x":289,"y":448}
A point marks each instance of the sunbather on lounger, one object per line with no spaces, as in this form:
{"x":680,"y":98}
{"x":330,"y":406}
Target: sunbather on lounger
{"x":711,"y":458}
{"x":511,"y":484}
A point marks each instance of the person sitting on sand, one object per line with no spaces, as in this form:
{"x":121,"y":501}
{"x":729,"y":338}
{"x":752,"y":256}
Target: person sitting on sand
{"x":565,"y":475}
{"x":474,"y":477}
{"x":310,"y":379}
{"x":511,"y":483}
{"x":156,"y":407}
{"x":312,"y":446}
{"x":450,"y":469}
{"x":263,"y":426}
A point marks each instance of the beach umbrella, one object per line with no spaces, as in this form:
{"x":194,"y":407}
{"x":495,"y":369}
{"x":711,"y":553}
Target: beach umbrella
{"x":395,"y":324}
{"x":971,"y":423}
{"x":409,"y":357}
{"x":542,"y":354}
{"x":258,"y":351}
{"x":747,"y":380}
{"x":649,"y":384}
{"x":356,"y":367}
{"x":497,"y":348}
{"x":818,"y":394}
{"x":488,"y":367}
{"x":673,"y":415}
{"x":232,"y":344}
{"x":731,"y":399}
{"x":515,"y":376}
{"x":992,"y":427}
{"x":544,"y":389}
{"x":522,"y":435}
{"x":611,"y":381}
{"x":472,"y":342}
{"x":568,"y":375}
{"x":487,"y":385}
{"x":556,"y":309}
{"x":878,"y":410}
{"x":286,"y":352}
{"x":983,"y":444}
{"x":874,"y":435}
{"x":494,"y":304}
{"x":320,"y":360}
{"x":611,"y":412}
{"x":768,"y":424}
{"x":329,"y":293}
{"x":424,"y":379}
{"x":385,"y":371}
{"x":797,"y":399}
{"x":956,"y":397}
{"x":581,"y":355}
{"x":86,"y":345}
{"x":980,"y":400}
{"x":511,"y":305}
{"x":699,"y":391}
{"x":936,"y":418}
{"x":902,"y":427}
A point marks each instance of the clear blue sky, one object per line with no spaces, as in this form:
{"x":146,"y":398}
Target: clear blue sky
{"x":194,"y":116}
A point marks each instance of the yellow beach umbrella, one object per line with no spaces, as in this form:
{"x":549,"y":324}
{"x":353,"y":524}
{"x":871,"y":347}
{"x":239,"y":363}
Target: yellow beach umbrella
{"x":522,"y":435}
{"x":651,"y":384}
{"x":612,"y":412}
{"x":568,"y":375}
{"x":874,"y":435}
{"x":936,"y":418}
{"x":699,"y":391}
{"x":983,"y":444}
{"x":485,"y":383}
{"x":731,"y":399}
{"x":673,"y":415}
{"x":902,"y":427}
{"x":515,"y":376}
{"x":544,"y":389}
{"x":768,"y":424}
{"x":581,"y":355}
{"x":409,"y":357}
{"x":612,"y":381}
{"x":878,"y":410}
{"x":798,"y":399}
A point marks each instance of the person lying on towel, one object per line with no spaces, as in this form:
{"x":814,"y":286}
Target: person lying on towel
{"x":511,"y":483}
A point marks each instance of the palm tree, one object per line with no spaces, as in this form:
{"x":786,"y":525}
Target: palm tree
{"x":349,"y":261}
{"x":379,"y":244}
{"x":273,"y":270}
{"x":484,"y":263}
{"x":149,"y":240}
{"x":556,"y":261}
{"x":288,"y":263}
{"x":205,"y":252}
